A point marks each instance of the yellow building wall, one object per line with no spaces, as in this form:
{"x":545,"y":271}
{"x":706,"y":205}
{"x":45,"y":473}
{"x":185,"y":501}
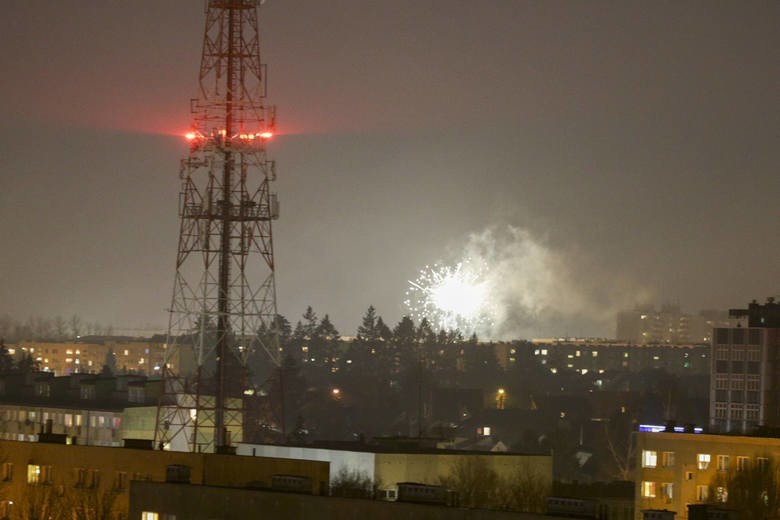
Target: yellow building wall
{"x":63,"y":358}
{"x":430,"y":468}
{"x":64,"y":462}
{"x":684,"y":474}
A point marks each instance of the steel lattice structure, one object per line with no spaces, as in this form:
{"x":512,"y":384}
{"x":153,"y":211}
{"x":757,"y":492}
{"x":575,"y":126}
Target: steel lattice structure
{"x":224,"y":291}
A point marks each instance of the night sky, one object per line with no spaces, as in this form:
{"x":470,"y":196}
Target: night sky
{"x":596,"y":154}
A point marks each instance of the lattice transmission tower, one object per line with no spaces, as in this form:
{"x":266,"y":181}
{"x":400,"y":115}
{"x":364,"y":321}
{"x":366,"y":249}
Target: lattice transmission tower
{"x":224,"y":298}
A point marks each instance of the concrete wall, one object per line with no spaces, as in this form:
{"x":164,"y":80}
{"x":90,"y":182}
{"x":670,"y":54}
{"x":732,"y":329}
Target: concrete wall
{"x":362,"y":462}
{"x":208,"y":503}
{"x":387,"y":469}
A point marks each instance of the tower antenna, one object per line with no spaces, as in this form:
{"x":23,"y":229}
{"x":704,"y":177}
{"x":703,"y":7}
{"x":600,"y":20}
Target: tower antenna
{"x":223,"y":308}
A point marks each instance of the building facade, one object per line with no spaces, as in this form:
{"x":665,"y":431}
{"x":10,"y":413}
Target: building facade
{"x":385,"y":469}
{"x":39,"y":477}
{"x":678,"y":469}
{"x":745,"y":371}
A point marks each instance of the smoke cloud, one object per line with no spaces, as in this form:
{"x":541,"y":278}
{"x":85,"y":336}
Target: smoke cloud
{"x":535,"y":290}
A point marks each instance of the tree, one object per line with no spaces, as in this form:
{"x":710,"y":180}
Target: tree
{"x":525,"y":490}
{"x":351,"y":484}
{"x":310,"y":322}
{"x":405,"y":345}
{"x":324,"y":343}
{"x":109,"y":364}
{"x":75,"y":325}
{"x":6,"y":360}
{"x":92,"y":503}
{"x":367,"y":333}
{"x":41,"y":502}
{"x":60,"y":328}
{"x":475,"y":482}
{"x":752,"y":489}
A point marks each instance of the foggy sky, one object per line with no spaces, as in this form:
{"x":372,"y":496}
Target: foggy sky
{"x":635,"y":142}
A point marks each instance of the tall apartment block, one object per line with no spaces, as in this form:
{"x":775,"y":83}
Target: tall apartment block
{"x":745,"y":371}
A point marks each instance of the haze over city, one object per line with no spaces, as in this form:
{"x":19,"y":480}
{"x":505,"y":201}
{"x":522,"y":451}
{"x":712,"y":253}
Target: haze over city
{"x":591,"y":156}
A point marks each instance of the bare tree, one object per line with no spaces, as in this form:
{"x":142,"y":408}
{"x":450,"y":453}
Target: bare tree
{"x":751,"y":489}
{"x":42,"y":502}
{"x":92,"y":503}
{"x":75,"y":325}
{"x":475,"y":482}
{"x":525,"y":490}
{"x":351,"y":483}
{"x":60,"y":328}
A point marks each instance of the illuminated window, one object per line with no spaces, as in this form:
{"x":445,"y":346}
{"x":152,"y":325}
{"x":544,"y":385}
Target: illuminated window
{"x":33,"y":474}
{"x":39,"y":474}
{"x":667,"y":458}
{"x":703,"y":460}
{"x":594,"y":354}
{"x":648,"y":489}
{"x":649,"y":459}
{"x":723,"y":462}
{"x":721,"y":494}
{"x":149,"y":516}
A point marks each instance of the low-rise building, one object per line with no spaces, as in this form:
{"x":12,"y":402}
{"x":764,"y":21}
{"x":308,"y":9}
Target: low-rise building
{"x":678,"y":469}
{"x":385,"y":468}
{"x":40,"y":476}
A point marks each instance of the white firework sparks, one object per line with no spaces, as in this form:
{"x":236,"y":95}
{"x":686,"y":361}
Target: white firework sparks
{"x":451,"y":297}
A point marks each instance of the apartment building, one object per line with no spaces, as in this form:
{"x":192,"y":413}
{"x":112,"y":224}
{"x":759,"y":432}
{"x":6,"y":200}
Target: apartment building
{"x":745,"y":373}
{"x":678,"y":469}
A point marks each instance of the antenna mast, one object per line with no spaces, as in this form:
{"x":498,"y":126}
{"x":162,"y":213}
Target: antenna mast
{"x":223,"y":307}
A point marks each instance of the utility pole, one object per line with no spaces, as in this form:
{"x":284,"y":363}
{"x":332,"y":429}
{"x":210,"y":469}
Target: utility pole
{"x":224,"y":292}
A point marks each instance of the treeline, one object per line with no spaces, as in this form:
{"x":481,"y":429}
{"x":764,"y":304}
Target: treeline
{"x":50,"y":329}
{"x":379,"y":349}
{"x":378,"y":382}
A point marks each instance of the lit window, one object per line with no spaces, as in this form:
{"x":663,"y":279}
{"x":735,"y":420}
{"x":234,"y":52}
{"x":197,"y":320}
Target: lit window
{"x":721,"y":494}
{"x":703,"y":460}
{"x":723,"y":462}
{"x":594,"y":354}
{"x":649,"y":459}
{"x":33,"y":474}
{"x":149,"y":516}
{"x":648,"y":489}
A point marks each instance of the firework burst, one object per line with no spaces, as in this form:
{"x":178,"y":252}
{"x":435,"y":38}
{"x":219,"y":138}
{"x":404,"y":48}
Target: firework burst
{"x":451,"y":297}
